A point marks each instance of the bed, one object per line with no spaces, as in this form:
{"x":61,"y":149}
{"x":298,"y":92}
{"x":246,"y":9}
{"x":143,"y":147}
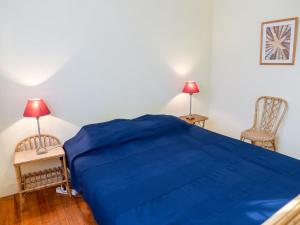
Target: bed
{"x":159,"y":170}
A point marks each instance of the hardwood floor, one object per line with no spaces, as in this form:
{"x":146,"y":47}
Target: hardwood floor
{"x":45,"y":208}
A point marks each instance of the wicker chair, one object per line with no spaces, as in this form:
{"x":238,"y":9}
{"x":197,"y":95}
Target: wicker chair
{"x":269,"y":112}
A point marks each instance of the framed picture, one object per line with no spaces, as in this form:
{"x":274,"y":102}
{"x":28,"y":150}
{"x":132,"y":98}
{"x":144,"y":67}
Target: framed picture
{"x":278,"y":42}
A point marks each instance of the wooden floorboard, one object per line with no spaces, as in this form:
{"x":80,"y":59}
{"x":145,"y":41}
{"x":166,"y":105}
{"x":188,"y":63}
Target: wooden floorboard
{"x":45,"y":207}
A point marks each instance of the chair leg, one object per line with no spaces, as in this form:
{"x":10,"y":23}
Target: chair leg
{"x":270,"y":145}
{"x":263,"y":144}
{"x":274,"y":145}
{"x":242,"y":138}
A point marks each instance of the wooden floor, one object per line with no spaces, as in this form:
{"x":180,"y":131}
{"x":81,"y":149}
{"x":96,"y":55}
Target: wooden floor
{"x":45,"y":208}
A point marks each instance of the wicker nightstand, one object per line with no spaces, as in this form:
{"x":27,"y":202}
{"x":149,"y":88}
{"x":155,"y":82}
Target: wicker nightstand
{"x":196,"y":119}
{"x":40,"y":179}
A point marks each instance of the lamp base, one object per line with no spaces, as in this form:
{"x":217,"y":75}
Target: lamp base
{"x":190,"y":117}
{"x":41,"y":151}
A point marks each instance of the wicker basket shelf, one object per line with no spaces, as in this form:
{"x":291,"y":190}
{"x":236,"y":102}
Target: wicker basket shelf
{"x":42,"y":179}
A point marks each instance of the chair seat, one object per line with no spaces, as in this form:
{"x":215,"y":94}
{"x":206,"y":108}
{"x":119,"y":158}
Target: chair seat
{"x":258,"y":135}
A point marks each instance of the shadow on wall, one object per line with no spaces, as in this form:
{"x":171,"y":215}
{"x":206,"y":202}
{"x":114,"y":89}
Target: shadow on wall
{"x":27,"y":126}
{"x":180,"y":105}
{"x":90,"y":72}
{"x":22,"y":78}
{"x":110,"y":91}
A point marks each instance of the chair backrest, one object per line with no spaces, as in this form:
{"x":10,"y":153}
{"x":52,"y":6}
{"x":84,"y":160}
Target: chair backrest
{"x":32,"y":142}
{"x":269,"y":112}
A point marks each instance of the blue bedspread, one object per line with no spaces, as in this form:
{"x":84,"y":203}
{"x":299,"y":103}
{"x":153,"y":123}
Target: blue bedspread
{"x":158,"y":170}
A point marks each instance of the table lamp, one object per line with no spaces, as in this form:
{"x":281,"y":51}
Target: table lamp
{"x":191,"y":88}
{"x":37,"y":108}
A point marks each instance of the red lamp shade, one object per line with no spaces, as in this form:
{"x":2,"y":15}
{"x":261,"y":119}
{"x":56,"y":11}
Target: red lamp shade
{"x":190,"y":87}
{"x":36,"y":108}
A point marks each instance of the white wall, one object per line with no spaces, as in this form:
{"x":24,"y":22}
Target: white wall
{"x":237,"y":77}
{"x":97,"y":60}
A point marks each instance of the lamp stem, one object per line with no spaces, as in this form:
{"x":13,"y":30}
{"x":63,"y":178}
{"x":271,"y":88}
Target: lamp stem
{"x":190,"y":105}
{"x":40,"y":138}
{"x":39,"y":131}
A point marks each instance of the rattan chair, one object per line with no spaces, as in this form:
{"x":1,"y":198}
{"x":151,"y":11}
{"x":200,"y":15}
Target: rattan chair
{"x":269,"y":112}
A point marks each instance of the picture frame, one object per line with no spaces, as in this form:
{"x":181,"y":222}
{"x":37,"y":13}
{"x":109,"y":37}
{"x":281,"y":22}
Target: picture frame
{"x":278,"y":42}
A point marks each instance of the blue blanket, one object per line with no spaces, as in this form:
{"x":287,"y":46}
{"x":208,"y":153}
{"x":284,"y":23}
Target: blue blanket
{"x":158,"y":170}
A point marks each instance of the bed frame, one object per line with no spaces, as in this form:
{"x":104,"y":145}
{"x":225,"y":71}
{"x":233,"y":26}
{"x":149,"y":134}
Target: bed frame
{"x":288,"y":215}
